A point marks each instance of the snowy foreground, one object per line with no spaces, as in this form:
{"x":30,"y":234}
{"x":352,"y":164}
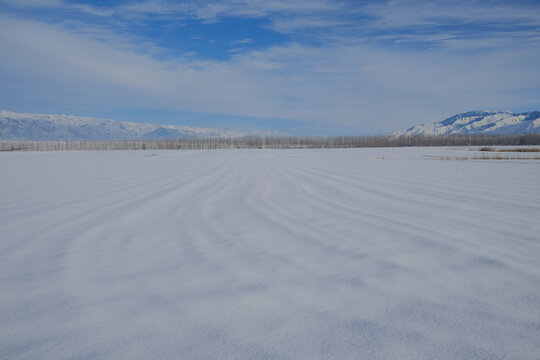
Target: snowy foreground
{"x":269,"y":254}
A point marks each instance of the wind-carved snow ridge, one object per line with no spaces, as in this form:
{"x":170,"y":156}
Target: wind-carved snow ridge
{"x":20,"y":126}
{"x":268,"y":254}
{"x":480,"y":122}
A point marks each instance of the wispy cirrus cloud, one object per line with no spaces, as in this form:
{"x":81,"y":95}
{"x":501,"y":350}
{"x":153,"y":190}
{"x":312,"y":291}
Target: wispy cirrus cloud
{"x":242,"y":41}
{"x":340,"y":18}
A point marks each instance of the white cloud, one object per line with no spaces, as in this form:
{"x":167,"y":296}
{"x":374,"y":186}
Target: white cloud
{"x":242,"y":41}
{"x":404,"y":13}
{"x":33,"y":3}
{"x":353,"y":81}
{"x":331,"y":20}
{"x":291,"y":25}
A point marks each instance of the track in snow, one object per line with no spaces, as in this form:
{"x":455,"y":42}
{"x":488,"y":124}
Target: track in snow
{"x":300,"y":254}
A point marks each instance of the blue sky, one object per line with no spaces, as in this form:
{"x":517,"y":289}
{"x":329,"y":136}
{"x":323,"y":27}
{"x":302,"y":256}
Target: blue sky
{"x":315,"y":67}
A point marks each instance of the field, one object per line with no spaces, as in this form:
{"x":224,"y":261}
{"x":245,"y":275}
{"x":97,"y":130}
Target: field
{"x":390,"y":253}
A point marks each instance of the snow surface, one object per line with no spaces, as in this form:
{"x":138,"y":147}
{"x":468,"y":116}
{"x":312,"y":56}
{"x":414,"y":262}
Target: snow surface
{"x":274,"y":254}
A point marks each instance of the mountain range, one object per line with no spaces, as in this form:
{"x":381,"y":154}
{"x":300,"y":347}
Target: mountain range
{"x":480,"y":122}
{"x":21,"y":126}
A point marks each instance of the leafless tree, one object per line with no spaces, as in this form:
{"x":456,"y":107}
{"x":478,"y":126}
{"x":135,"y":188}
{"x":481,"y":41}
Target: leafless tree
{"x":275,"y":142}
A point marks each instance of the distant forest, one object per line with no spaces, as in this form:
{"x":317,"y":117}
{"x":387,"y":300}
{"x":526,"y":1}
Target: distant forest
{"x":275,"y":142}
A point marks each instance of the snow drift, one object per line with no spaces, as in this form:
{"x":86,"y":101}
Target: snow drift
{"x":306,"y":254}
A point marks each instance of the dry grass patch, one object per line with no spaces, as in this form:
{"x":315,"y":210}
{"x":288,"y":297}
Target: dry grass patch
{"x":487,"y":157}
{"x":500,"y":157}
{"x":488,"y":148}
{"x":521,"y":150}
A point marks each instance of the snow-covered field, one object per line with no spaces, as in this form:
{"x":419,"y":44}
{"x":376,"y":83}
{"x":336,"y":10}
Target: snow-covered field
{"x":269,"y":254}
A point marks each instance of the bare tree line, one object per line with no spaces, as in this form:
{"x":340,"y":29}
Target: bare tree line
{"x":275,"y":142}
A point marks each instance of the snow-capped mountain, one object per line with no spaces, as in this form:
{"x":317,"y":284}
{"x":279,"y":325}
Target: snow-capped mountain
{"x":480,"y":122}
{"x":20,"y":126}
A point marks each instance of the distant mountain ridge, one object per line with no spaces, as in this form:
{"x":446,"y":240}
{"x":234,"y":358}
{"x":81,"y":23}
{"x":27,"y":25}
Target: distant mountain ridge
{"x":480,"y":122}
{"x":22,"y":126}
